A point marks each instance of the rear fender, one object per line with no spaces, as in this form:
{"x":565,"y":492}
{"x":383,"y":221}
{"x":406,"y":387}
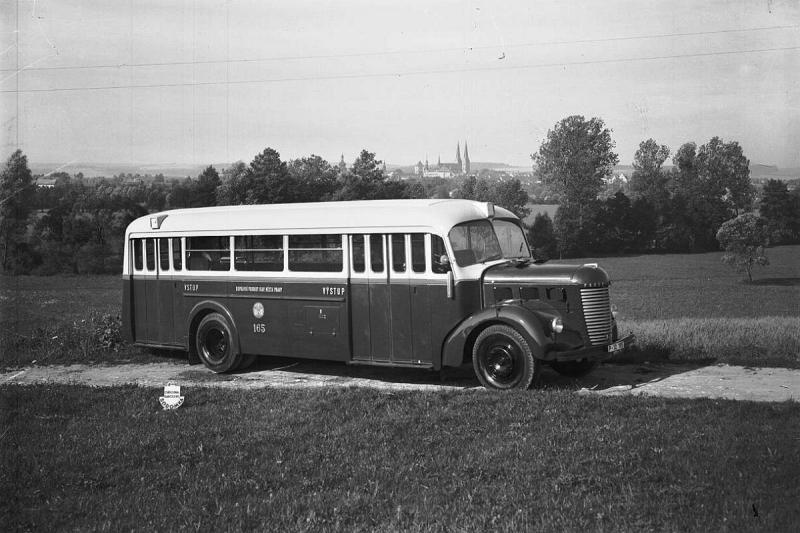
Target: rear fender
{"x":198,"y":312}
{"x":531,"y":325}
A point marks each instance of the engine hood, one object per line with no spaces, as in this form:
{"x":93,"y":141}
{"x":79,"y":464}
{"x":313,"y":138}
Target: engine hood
{"x":547,"y":274}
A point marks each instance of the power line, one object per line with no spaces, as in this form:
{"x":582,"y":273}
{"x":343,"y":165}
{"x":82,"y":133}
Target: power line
{"x":397,"y":52}
{"x":406,"y":73}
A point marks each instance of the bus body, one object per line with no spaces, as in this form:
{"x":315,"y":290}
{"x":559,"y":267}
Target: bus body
{"x":421,"y":283}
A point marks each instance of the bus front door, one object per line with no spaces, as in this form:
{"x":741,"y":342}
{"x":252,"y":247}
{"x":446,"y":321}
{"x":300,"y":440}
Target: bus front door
{"x":382,"y":298}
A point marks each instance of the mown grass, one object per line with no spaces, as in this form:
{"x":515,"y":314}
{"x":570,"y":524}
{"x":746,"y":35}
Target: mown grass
{"x":766,"y":341}
{"x":357,"y":460}
{"x":31,"y":302}
{"x":694,"y":308}
{"x":680,"y":306}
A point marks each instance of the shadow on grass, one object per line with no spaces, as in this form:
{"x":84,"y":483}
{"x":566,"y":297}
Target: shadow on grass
{"x":775,"y":282}
{"x":619,"y":376}
{"x":630,"y":371}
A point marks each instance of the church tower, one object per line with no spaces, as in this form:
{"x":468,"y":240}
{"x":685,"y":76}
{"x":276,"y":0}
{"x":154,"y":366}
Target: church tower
{"x":342,"y":165}
{"x":458,"y":157}
{"x":466,"y":158}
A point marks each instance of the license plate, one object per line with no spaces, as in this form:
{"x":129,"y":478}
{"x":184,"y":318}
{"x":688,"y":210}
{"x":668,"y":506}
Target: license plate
{"x":616,"y":346}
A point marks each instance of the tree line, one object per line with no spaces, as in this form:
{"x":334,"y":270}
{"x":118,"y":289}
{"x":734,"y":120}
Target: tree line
{"x":675,"y":210}
{"x":78,"y":225}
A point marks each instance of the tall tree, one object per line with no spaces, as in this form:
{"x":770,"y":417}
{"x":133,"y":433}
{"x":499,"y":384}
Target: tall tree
{"x":365,"y":180}
{"x":649,"y":180}
{"x":314,"y":178}
{"x":270,"y":182}
{"x":711,"y":184}
{"x":575,"y":158}
{"x":206,"y":188}
{"x":16,"y":198}
{"x":781,"y":210}
{"x":233,"y":189}
{"x":725,"y":172}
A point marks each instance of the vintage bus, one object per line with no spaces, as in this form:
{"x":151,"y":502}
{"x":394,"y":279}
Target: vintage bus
{"x":413,"y":283}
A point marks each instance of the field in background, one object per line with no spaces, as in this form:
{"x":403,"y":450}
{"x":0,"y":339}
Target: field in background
{"x":681,"y":307}
{"x":361,"y":460}
{"x":540,"y":208}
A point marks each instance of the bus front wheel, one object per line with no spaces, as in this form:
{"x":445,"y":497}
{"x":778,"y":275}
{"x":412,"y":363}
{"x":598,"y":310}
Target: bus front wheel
{"x":214,"y":343}
{"x":503,"y":359}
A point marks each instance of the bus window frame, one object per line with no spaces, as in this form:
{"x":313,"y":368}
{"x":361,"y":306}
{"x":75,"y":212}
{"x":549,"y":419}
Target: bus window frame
{"x":160,"y":254}
{"x":390,"y":238}
{"x":172,"y":253}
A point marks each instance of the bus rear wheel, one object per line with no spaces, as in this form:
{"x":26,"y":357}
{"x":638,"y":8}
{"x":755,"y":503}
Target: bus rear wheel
{"x":502,"y":359}
{"x":214,"y":343}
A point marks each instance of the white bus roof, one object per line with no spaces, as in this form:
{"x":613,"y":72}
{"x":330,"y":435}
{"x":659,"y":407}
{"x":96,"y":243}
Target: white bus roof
{"x":437,"y":215}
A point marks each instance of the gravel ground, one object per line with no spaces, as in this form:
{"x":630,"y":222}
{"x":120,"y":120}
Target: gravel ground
{"x":651,"y":379}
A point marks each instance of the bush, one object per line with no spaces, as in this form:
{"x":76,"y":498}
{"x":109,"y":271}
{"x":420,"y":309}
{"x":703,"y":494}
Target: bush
{"x":744,"y":239}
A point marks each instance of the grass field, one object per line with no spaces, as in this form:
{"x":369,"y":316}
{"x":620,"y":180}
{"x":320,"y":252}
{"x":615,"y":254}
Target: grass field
{"x":358,"y":460}
{"x":75,"y":458}
{"x":681,"y":307}
{"x":694,"y":308}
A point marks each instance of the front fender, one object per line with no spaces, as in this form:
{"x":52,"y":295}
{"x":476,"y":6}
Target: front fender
{"x":530,"y":324}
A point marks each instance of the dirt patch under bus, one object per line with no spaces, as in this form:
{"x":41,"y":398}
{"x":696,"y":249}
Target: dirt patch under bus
{"x":651,"y":379}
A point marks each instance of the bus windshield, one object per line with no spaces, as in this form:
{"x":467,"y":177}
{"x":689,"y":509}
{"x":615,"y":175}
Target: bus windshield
{"x":480,"y":241}
{"x":512,"y":240}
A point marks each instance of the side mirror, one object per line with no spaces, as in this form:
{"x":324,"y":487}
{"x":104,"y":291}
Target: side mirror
{"x":441,"y":264}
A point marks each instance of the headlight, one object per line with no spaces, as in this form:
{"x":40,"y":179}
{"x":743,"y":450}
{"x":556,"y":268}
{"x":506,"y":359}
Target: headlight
{"x":557,"y":325}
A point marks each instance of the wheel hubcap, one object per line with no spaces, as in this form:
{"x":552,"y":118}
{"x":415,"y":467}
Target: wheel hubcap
{"x":216,"y":345}
{"x":501,"y":361}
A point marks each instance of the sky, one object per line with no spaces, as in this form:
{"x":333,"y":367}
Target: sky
{"x":168,"y":82}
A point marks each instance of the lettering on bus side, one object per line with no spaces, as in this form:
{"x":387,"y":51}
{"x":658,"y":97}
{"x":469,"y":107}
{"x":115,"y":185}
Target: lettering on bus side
{"x":191,"y":287}
{"x":258,"y":289}
{"x":333,"y":291}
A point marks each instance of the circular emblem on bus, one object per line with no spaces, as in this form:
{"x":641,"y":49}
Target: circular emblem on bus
{"x":258,"y":310}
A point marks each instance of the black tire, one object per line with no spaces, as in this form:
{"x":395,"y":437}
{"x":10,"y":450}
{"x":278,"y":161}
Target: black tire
{"x":214,"y":342}
{"x":574,"y":369}
{"x":503,"y":360}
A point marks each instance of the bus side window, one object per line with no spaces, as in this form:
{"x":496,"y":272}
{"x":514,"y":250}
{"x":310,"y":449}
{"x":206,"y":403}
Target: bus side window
{"x":208,"y":253}
{"x":163,"y":253}
{"x":358,"y":253}
{"x":262,"y":253}
{"x":438,"y":252}
{"x":418,"y":252}
{"x":316,"y":253}
{"x":376,"y":252}
{"x":177,"y":254}
{"x":150,"y":254}
{"x":398,"y":252}
{"x":138,"y":254}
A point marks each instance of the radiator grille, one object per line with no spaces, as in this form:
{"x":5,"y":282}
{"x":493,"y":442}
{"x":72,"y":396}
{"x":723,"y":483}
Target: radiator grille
{"x":597,"y":313}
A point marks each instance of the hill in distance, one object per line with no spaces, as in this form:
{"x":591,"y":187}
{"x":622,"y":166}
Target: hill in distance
{"x":93,"y":170}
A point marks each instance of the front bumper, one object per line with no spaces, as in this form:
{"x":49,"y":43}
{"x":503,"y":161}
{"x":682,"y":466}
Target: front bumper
{"x":594,"y":353}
